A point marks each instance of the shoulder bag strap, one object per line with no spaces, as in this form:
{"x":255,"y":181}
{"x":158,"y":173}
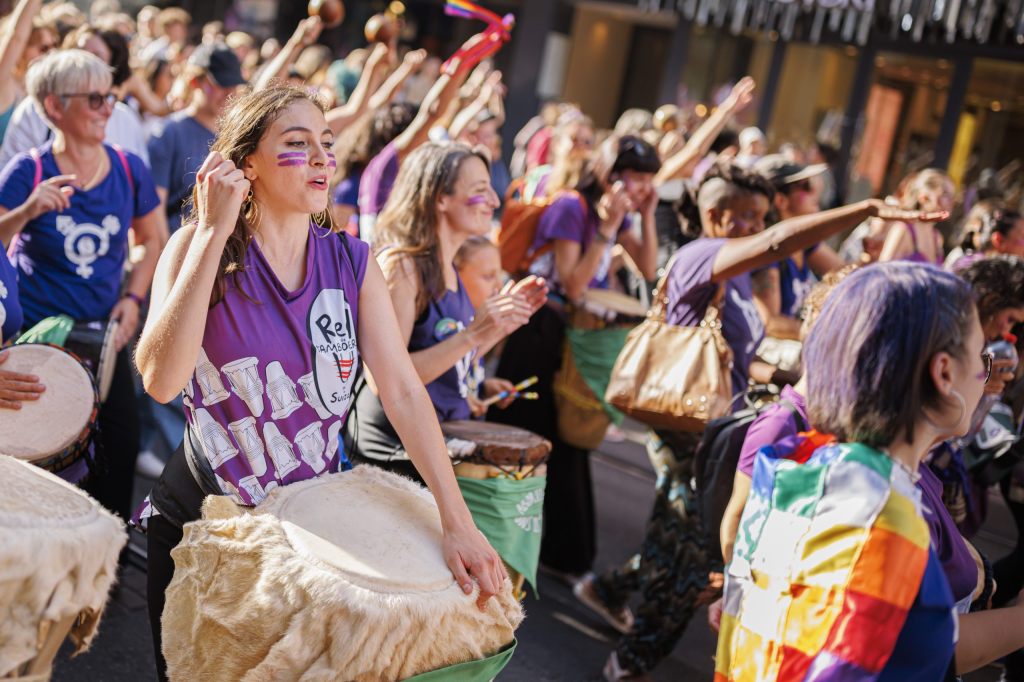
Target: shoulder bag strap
{"x":800,"y":423}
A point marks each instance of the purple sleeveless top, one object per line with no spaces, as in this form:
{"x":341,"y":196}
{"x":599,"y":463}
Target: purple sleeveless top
{"x":917,"y":256}
{"x":443,"y":317}
{"x":274,"y":377}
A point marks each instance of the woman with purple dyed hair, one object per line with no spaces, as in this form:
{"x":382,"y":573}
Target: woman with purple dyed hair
{"x":833,"y":570}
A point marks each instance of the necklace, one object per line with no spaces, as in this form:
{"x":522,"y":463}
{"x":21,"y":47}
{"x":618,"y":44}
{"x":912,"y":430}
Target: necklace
{"x":914,"y":475}
{"x":95,"y":176}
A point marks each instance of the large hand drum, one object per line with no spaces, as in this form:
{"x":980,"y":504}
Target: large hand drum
{"x":487,"y":450}
{"x":52,"y":432}
{"x":58,"y":559}
{"x":336,"y":578}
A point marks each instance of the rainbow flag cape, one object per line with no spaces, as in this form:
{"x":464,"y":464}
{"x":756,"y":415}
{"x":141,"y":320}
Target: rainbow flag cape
{"x":830,"y":556}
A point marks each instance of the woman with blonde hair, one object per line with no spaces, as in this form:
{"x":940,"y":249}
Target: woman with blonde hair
{"x":929,"y":190}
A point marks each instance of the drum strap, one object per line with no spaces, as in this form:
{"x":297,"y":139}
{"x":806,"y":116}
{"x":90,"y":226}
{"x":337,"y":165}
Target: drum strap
{"x":200,"y":467}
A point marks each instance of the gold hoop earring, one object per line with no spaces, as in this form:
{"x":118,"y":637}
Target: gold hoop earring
{"x":251,"y":210}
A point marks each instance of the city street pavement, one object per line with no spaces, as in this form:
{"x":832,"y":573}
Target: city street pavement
{"x":559,"y":640}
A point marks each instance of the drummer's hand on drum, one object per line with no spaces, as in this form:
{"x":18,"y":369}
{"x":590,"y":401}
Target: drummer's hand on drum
{"x":53,"y":194}
{"x":221,"y":189}
{"x":470,"y":557}
{"x":17,"y":388}
{"x":532,"y":289}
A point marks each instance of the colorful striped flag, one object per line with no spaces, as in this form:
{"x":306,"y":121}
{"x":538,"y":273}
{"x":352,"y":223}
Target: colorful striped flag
{"x":830,"y":556}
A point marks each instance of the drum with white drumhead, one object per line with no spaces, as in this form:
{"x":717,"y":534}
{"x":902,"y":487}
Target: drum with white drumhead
{"x":341,"y":577}
{"x":52,"y":432}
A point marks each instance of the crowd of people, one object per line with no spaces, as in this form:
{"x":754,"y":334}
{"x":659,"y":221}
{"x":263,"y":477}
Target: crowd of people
{"x":258,"y":218}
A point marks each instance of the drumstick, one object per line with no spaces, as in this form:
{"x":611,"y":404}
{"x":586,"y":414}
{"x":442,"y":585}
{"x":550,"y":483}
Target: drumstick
{"x":525,"y":383}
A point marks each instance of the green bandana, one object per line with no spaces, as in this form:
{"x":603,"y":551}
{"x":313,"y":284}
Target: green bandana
{"x":482,"y":670}
{"x":509,"y":512}
{"x":594,"y":351}
{"x":53,"y":330}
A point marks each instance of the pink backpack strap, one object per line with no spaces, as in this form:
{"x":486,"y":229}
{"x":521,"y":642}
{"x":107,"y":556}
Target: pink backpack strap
{"x":38,"y":177}
{"x":124,"y":164}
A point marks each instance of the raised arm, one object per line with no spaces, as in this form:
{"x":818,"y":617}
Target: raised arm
{"x":387,"y":91}
{"x":745,"y":254}
{"x":167,"y":352}
{"x":408,"y":408}
{"x":478,"y":104}
{"x":305,"y":34}
{"x":681,"y":164}
{"x":341,"y":117}
{"x":12,"y":46}
{"x":441,"y":95}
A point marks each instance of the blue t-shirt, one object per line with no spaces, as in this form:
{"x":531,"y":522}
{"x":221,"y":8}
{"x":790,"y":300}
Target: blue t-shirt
{"x":176,"y":154}
{"x":71,"y":262}
{"x":10,"y":306}
{"x":443,"y":317}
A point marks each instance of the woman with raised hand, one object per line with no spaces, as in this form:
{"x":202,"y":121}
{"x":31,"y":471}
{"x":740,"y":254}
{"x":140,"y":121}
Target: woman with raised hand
{"x":250,"y":293}
{"x":442,"y":197}
{"x":920,"y":242}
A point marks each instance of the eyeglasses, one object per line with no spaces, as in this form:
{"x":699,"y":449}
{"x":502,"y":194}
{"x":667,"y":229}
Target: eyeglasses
{"x":96,"y":99}
{"x":986,"y":359}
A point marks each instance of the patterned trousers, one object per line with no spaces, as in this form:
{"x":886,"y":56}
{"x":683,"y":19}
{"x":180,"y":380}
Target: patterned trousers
{"x":671,"y":570}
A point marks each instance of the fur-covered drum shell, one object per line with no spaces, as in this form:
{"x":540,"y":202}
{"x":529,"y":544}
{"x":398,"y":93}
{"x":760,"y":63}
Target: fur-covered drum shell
{"x":336,"y":578}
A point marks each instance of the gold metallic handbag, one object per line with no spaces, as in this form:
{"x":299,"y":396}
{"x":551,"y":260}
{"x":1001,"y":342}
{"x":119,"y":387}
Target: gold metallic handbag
{"x":674,"y":377}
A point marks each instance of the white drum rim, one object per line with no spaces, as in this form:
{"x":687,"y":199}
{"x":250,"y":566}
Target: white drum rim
{"x":108,"y":360}
{"x":45,"y":409}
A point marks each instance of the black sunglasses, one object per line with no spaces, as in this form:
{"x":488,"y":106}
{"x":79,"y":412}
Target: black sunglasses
{"x":96,"y":99}
{"x":986,"y":359}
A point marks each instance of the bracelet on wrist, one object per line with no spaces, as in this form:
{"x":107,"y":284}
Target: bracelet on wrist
{"x":139,"y":301}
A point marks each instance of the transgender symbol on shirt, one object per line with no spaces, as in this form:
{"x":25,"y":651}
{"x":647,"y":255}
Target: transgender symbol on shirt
{"x":85,"y":242}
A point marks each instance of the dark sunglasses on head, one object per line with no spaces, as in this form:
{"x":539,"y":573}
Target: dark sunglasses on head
{"x":986,"y":359}
{"x":96,"y":99}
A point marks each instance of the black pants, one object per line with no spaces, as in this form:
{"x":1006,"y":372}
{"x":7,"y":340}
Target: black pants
{"x":1009,"y":576}
{"x":114,"y":471}
{"x":570,"y":527}
{"x":179,"y":499}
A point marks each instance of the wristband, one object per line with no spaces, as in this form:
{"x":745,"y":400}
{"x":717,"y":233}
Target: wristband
{"x":139,"y":301}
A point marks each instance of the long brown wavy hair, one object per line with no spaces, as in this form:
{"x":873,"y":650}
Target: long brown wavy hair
{"x":242,"y":125}
{"x":407,"y":226}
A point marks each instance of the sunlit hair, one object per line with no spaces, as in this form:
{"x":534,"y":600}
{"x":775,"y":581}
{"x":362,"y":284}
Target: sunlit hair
{"x":868,"y":355}
{"x":408,"y":223}
{"x":243,"y":125}
{"x":720,"y":187}
{"x":927,"y":179}
{"x":471,"y":246}
{"x":61,"y":72}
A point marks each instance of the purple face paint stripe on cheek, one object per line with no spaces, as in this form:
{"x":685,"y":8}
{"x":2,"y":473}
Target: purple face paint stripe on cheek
{"x":476,"y":200}
{"x":292,"y":155}
{"x":292,"y":162}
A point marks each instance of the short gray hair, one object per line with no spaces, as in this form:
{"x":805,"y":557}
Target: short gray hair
{"x":62,"y":72}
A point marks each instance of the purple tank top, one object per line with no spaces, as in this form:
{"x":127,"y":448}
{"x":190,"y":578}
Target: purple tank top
{"x":446,"y":316}
{"x":917,"y":256}
{"x":274,"y":377}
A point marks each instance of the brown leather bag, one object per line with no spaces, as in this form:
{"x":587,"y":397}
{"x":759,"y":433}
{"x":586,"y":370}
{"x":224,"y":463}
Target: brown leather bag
{"x":674,"y":377}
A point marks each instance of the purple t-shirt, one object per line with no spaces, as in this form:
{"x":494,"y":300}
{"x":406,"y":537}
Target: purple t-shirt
{"x":375,"y":185}
{"x":274,"y":378}
{"x":950,"y":546}
{"x":443,"y":317}
{"x":690,"y":291}
{"x":566,"y":218}
{"x":772,"y":425}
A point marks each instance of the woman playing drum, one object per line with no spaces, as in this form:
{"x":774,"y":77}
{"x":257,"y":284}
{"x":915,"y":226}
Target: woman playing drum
{"x":68,"y":208}
{"x":253,"y":303}
{"x":441,"y":198}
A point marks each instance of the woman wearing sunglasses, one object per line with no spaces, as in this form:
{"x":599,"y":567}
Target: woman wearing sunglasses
{"x":68,"y":208}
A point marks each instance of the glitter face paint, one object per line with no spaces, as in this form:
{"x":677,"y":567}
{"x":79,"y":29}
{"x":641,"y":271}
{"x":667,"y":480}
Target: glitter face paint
{"x":291,"y":159}
{"x":332,"y":161}
{"x":476,"y":200}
